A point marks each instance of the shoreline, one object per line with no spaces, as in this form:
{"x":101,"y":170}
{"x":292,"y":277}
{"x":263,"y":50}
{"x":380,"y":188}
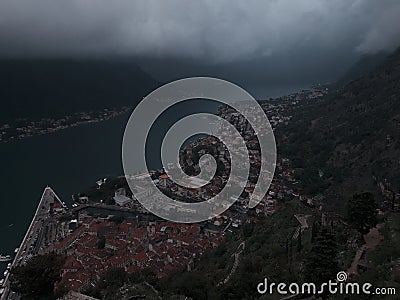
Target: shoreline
{"x":84,"y":120}
{"x":17,"y":257}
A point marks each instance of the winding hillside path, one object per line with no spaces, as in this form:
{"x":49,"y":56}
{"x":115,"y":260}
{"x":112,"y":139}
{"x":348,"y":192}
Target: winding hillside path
{"x":372,"y":240}
{"x":236,"y":255}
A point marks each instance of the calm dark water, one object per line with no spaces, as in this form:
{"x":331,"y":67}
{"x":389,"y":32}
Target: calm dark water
{"x":69,"y":161}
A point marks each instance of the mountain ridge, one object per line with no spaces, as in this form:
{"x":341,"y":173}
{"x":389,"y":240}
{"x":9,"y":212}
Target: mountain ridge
{"x":55,"y":87}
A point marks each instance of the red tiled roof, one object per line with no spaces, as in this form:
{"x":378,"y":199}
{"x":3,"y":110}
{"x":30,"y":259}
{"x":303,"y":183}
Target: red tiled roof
{"x":140,"y":233}
{"x":70,"y":238}
{"x":132,"y":269}
{"x":140,"y":257}
{"x":72,"y":263}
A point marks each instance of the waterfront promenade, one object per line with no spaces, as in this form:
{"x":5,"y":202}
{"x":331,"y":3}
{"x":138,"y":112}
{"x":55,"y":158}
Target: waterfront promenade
{"x":32,"y":240}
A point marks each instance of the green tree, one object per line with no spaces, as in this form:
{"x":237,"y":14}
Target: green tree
{"x":36,"y":279}
{"x":362,"y":212}
{"x":110,"y":282}
{"x":118,"y":219}
{"x":248,"y":229}
{"x":113,"y":278}
{"x":321,"y":264}
{"x":299,"y":240}
{"x":101,"y":242}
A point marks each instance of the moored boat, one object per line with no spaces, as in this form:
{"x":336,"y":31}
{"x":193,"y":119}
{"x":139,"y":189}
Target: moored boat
{"x":5,"y":258}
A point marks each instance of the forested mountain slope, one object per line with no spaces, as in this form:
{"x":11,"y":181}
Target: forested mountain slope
{"x":51,"y":87}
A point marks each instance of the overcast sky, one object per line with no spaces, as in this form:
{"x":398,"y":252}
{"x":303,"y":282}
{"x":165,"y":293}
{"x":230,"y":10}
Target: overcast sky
{"x":304,"y":34}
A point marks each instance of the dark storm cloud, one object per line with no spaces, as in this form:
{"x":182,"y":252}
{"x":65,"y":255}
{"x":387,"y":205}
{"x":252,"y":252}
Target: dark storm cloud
{"x":218,"y":31}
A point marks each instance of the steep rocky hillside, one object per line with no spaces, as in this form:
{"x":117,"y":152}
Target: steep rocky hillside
{"x":351,"y":137}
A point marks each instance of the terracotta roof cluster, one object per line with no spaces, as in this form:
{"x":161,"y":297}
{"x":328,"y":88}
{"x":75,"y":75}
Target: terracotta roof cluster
{"x":160,"y":246}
